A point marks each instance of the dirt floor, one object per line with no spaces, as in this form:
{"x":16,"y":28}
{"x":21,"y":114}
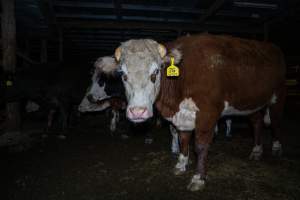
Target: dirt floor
{"x":91,"y":164}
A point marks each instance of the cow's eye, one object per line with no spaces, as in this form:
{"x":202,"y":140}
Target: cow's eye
{"x":124,"y":77}
{"x":153,"y":76}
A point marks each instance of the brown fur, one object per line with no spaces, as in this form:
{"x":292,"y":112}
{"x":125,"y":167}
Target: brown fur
{"x":217,"y":68}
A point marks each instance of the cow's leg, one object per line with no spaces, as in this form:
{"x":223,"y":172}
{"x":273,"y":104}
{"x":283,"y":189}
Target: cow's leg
{"x":183,"y":158}
{"x":175,"y":142}
{"x":113,"y":122}
{"x":228,"y":127}
{"x":276,"y":111}
{"x":257,"y":122}
{"x":204,"y":132}
{"x":216,"y":130}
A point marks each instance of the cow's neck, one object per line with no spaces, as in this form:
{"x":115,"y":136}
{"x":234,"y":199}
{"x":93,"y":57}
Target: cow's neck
{"x":170,"y":95}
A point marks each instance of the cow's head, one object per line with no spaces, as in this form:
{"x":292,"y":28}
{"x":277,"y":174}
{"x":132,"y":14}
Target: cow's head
{"x":140,"y":62}
{"x":103,"y":66}
{"x":96,"y":92}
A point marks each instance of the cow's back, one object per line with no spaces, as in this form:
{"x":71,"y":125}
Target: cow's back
{"x":215,"y":69}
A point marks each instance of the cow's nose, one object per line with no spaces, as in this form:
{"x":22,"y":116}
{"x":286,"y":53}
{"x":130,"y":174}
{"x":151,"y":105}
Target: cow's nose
{"x":138,"y":113}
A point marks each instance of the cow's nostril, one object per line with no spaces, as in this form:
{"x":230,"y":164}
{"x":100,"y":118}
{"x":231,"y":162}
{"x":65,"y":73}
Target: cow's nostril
{"x":131,"y":110}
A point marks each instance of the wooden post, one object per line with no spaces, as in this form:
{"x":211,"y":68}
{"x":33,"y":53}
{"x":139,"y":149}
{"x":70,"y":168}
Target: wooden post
{"x":8,"y":28}
{"x":8,"y":23}
{"x":44,"y":51}
{"x":61,"y":46}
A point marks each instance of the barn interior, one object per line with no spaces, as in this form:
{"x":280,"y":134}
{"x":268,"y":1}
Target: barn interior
{"x":49,"y":48}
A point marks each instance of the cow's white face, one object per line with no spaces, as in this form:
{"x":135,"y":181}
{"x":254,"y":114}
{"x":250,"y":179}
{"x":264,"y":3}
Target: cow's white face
{"x":140,"y":62}
{"x":142,"y":87}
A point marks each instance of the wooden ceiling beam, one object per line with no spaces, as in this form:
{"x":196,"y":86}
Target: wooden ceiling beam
{"x":211,"y":10}
{"x":158,"y":26}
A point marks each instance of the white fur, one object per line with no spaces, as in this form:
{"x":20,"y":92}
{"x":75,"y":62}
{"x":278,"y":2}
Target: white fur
{"x":228,"y":127}
{"x":153,"y":67}
{"x":276,"y":146}
{"x":185,"y":118}
{"x":230,"y":110}
{"x":267,"y":119}
{"x":273,"y":99}
{"x":106,"y":64}
{"x":31,"y":106}
{"x":196,"y":183}
{"x":181,"y":163}
{"x":175,"y":142}
{"x":142,"y":95}
{"x":97,"y":91}
{"x":176,"y":54}
{"x":257,"y":152}
{"x":124,"y":69}
{"x":87,"y":106}
{"x":114,"y":120}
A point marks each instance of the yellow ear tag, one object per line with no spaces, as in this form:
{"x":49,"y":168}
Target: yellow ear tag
{"x":172,"y":70}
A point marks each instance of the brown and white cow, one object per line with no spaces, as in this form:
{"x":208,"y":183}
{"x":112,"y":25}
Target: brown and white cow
{"x":219,"y":76}
{"x":106,"y":91}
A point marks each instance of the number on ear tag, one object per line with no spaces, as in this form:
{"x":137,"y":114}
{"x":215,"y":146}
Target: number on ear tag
{"x":172,"y":70}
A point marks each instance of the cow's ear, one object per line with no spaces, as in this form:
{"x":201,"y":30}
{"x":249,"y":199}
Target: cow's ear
{"x":176,"y":54}
{"x":106,"y":64}
{"x":162,"y":50}
{"x":118,"y":52}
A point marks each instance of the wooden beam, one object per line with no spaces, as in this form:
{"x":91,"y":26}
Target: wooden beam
{"x":211,"y":10}
{"x":241,"y":28}
{"x":8,"y":28}
{"x":148,"y":8}
{"x":25,"y":57}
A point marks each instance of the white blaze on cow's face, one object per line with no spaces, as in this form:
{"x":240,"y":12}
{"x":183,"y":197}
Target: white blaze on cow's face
{"x":140,"y":62}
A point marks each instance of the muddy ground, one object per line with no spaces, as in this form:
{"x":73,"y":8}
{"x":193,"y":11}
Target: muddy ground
{"x":91,"y":164}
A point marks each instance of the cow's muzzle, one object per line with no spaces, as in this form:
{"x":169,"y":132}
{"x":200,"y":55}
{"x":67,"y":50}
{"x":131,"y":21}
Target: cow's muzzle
{"x":138,"y":114}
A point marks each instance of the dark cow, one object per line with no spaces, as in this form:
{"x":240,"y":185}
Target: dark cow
{"x":219,"y":76}
{"x":106,"y":90}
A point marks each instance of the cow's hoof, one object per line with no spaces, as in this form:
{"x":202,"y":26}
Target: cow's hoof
{"x":196,"y":183}
{"x":178,"y":171}
{"x":181,"y":164}
{"x":256,"y":153}
{"x":276,"y":149}
{"x":112,"y":128}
